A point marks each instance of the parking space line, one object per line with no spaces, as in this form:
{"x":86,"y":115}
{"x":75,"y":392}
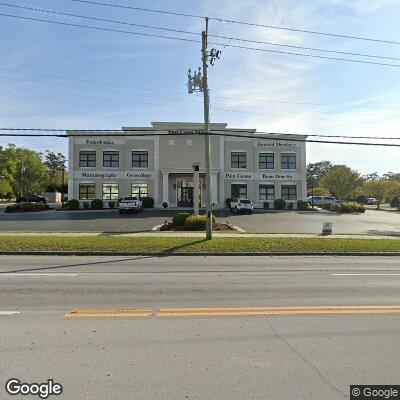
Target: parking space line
{"x":368,"y":274}
{"x":9,"y":313}
{"x":36,"y":274}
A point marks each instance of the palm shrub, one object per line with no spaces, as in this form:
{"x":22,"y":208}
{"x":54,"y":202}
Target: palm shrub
{"x":197,"y":222}
{"x":180,"y":219}
{"x":148,"y":202}
{"x":279,"y":204}
{"x":96,"y":204}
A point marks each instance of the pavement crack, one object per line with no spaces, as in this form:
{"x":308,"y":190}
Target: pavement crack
{"x":305,"y":360}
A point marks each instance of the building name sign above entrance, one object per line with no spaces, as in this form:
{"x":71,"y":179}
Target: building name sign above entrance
{"x":112,"y":175}
{"x":263,"y":176}
{"x":99,"y":141}
{"x":186,"y":132}
{"x":268,"y":144}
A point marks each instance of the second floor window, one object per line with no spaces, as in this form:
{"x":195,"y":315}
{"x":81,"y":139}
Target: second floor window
{"x":266,"y":161}
{"x":140,"y":159}
{"x":87,"y":158}
{"x":238,"y":159}
{"x":288,"y":161}
{"x":110,"y":159}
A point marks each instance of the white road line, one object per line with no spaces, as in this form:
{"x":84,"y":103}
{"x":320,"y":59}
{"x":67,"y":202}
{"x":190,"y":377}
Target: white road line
{"x":367,"y":274}
{"x":35,"y":274}
{"x":9,"y":312}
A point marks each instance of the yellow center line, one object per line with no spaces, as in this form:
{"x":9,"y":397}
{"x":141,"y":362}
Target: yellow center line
{"x":247,"y":311}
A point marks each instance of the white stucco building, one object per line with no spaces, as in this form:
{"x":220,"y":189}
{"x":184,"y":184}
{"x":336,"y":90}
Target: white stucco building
{"x":262,"y":167}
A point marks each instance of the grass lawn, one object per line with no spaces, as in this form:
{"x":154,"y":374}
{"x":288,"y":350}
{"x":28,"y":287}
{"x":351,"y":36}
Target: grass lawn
{"x":197,"y":245}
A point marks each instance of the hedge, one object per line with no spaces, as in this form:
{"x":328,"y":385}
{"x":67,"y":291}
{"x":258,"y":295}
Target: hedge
{"x":180,"y":218}
{"x":73,"y":204}
{"x":279,"y":204}
{"x":197,"y":222}
{"x":148,"y":202}
{"x":96,"y":204}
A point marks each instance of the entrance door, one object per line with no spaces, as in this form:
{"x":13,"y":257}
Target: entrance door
{"x":186,"y":197}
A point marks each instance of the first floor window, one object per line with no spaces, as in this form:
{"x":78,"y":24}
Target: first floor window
{"x":140,"y":159}
{"x":110,"y":191}
{"x":87,"y":158}
{"x":140,"y":190}
{"x":288,"y":161}
{"x":238,"y":159}
{"x":267,"y":193}
{"x":111,"y":159}
{"x":266,"y":161}
{"x":239,"y":191}
{"x":289,"y":192}
{"x":87,"y":191}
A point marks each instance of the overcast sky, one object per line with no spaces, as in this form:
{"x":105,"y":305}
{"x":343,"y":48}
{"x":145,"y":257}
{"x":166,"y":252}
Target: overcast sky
{"x":144,"y":78}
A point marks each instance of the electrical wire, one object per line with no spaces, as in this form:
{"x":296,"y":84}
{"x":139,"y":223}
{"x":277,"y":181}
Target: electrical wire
{"x":199,"y":34}
{"x":197,"y":41}
{"x":231,"y":21}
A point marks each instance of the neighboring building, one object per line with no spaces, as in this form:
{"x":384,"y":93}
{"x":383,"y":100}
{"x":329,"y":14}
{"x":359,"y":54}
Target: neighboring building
{"x":113,"y":166}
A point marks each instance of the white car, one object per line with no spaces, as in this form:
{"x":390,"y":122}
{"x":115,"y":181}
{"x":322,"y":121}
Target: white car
{"x":130,"y":204}
{"x":242,"y":205}
{"x":372,"y":201}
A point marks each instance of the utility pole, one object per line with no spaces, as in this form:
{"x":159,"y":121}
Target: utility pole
{"x":206,"y":97}
{"x":200,"y":83}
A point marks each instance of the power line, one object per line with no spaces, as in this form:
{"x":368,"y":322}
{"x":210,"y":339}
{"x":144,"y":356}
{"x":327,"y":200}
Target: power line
{"x":196,"y":41}
{"x":199,"y":34}
{"x":213,"y":133}
{"x":219,"y":19}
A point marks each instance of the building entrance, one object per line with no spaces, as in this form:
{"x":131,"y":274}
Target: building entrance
{"x":184,"y":190}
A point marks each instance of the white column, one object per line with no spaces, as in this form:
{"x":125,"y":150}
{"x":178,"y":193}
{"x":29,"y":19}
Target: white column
{"x":156,"y":168}
{"x":214,"y":187}
{"x":165,"y":186}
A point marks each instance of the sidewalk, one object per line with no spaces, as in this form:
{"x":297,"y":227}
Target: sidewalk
{"x":196,"y":235}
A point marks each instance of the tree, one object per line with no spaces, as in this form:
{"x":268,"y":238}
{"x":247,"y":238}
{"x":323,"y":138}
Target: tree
{"x":393,"y":192}
{"x":316,"y":171}
{"x":5,"y":189}
{"x":55,"y":164}
{"x":341,"y":181}
{"x":376,"y":188}
{"x":391,"y":176}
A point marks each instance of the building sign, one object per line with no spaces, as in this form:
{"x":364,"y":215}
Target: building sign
{"x":113,"y":175}
{"x":267,"y":144}
{"x":267,"y":176}
{"x":186,"y":131}
{"x":239,"y":175}
{"x":99,"y":141}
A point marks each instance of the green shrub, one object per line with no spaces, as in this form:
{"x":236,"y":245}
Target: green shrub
{"x":72,"y":204}
{"x":111,"y":204}
{"x":395,"y":203}
{"x":197,"y":222}
{"x":26,"y":207}
{"x":96,"y":204}
{"x":180,"y":218}
{"x":302,"y":205}
{"x":12,"y":208}
{"x":228,"y":202}
{"x":361,"y":199}
{"x":348,"y":208}
{"x":335,"y":207}
{"x":86,"y":205}
{"x":279,"y":204}
{"x":148,"y":202}
{"x":326,"y":206}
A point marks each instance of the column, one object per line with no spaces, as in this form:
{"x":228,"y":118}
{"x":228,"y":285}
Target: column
{"x":196,"y":187}
{"x":165,"y":186}
{"x":214,"y":189}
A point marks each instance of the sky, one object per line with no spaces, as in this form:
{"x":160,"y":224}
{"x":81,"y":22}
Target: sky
{"x":54,"y":76}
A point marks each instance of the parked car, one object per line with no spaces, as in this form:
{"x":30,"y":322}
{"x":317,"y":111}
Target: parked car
{"x":34,"y":198}
{"x":130,"y":204}
{"x":241,"y":205}
{"x":321,"y":199}
{"x":372,"y":201}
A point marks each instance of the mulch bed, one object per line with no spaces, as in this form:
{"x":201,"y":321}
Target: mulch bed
{"x":169,"y":226}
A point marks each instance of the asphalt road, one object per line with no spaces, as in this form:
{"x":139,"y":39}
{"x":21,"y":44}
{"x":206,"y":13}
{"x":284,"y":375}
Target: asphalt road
{"x":383,"y":223}
{"x":237,"y":357}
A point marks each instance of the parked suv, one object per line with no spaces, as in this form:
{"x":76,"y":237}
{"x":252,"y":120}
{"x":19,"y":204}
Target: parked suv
{"x":241,"y":205}
{"x":34,"y":198}
{"x":321,"y":199}
{"x":130,"y":204}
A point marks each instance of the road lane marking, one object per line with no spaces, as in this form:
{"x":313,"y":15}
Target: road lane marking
{"x":367,"y":274}
{"x":249,"y":311}
{"x":109,"y":313}
{"x":35,"y":274}
{"x":9,"y":312}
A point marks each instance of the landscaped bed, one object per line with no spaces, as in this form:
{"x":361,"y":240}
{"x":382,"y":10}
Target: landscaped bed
{"x":162,"y":245}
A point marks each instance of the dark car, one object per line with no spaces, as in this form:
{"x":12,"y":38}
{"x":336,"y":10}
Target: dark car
{"x":34,"y":198}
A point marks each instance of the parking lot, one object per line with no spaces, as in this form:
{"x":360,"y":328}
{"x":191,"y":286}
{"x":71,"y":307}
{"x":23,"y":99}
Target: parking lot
{"x":373,"y":222}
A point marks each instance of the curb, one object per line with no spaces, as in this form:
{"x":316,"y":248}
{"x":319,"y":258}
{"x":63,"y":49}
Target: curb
{"x":191,"y":254}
